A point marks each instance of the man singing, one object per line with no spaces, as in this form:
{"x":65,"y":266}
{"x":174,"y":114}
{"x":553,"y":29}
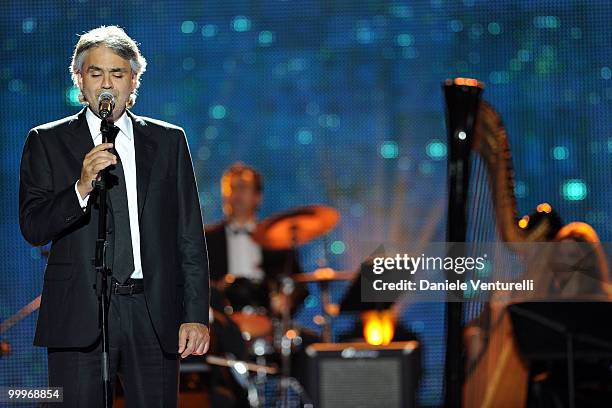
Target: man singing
{"x":159,"y":292}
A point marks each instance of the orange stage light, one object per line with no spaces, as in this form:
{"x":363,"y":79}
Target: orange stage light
{"x":378,"y":327}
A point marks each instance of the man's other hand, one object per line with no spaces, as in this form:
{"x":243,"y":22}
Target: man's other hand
{"x":193,"y":339}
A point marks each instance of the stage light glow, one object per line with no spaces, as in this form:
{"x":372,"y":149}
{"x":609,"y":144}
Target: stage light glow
{"x":456,"y":26}
{"x":499,"y":77}
{"x":218,"y":112}
{"x":389,"y":150}
{"x":520,"y":189}
{"x":72,"y":96}
{"x":209,"y":30}
{"x":549,"y":22}
{"x":544,"y":207}
{"x":524,"y":55}
{"x":338,"y":247}
{"x":404,"y":40}
{"x":560,"y":153}
{"x":574,"y":190}
{"x":188,"y":27}
{"x":266,"y":37}
{"x":304,"y":136}
{"x":401,"y":11}
{"x":241,"y":24}
{"x":436,"y":149}
{"x":494,"y":28}
{"x":364,"y":35}
{"x":378,"y":327}
{"x":15,"y":85}
{"x":28,"y":25}
{"x":310,"y":302}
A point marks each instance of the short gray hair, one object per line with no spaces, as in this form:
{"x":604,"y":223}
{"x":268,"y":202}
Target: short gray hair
{"x":114,"y":38}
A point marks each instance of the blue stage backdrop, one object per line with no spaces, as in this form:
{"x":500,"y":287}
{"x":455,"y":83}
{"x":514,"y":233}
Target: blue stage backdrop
{"x":336,"y":102}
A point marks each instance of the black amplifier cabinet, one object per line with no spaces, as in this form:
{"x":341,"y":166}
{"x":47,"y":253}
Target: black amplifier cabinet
{"x":358,"y":375}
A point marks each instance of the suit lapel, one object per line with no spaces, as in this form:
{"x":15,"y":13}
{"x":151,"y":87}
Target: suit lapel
{"x":80,"y":142}
{"x":145,"y":150}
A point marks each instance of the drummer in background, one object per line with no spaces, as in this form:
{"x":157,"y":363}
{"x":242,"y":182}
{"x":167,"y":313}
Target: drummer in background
{"x":237,"y":263}
{"x":243,"y":275}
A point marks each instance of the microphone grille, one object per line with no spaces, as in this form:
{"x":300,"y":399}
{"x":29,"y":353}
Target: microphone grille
{"x":106,"y":95}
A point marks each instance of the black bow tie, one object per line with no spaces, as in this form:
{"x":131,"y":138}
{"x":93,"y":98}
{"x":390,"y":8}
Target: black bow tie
{"x":238,"y":231}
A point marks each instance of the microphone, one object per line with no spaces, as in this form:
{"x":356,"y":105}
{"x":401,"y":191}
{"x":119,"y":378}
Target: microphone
{"x":106,"y":104}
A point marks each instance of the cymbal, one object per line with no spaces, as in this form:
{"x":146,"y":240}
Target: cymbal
{"x":323,"y":275}
{"x":295,"y":227}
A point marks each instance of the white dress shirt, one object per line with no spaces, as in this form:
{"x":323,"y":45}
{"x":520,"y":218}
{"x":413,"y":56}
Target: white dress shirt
{"x":124,"y":144}
{"x":243,"y":253}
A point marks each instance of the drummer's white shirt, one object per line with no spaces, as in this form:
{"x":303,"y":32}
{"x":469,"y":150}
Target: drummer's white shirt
{"x":243,"y":253}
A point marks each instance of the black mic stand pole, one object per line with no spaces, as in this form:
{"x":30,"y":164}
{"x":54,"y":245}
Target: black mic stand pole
{"x":109,"y":132}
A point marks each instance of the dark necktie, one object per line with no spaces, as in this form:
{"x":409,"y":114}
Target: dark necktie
{"x":123,"y":257}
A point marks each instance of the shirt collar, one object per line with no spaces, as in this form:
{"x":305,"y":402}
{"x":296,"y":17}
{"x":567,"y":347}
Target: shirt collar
{"x":123,"y":123}
{"x":248,"y":227}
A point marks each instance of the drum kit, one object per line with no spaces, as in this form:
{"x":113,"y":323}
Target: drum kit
{"x":271,"y":336}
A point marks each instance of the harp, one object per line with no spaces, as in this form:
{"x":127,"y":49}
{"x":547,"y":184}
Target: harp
{"x":481,"y":180}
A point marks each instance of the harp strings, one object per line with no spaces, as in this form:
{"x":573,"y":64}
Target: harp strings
{"x":481,"y":318}
{"x":480,"y":225}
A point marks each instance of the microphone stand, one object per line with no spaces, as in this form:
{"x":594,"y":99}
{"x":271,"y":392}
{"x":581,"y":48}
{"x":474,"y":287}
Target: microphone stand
{"x":109,"y":132}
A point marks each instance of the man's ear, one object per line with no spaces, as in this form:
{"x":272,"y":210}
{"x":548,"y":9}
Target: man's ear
{"x":79,"y":77}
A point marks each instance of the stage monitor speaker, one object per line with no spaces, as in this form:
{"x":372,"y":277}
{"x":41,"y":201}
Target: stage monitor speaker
{"x":358,"y":375}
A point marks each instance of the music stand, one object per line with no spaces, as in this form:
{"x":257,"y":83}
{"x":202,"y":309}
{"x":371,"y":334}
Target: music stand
{"x":351,"y":301}
{"x":549,"y":331}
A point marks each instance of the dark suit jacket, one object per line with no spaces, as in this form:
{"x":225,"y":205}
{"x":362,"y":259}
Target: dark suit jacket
{"x":172,"y":243}
{"x":274,"y":263}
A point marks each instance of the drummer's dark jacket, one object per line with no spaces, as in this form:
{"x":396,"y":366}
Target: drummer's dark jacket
{"x":274,"y":263}
{"x":172,"y":243}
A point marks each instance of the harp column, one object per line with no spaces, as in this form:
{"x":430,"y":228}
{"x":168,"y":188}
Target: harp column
{"x":462,"y":97}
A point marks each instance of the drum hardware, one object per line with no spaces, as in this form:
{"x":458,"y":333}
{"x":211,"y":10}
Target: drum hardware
{"x":241,"y":370}
{"x":241,"y":367}
{"x":323,"y":276}
{"x":287,"y":231}
{"x":266,"y":336}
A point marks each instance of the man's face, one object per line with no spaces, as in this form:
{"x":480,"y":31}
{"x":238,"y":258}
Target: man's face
{"x":240,"y":198}
{"x":103,"y":70}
